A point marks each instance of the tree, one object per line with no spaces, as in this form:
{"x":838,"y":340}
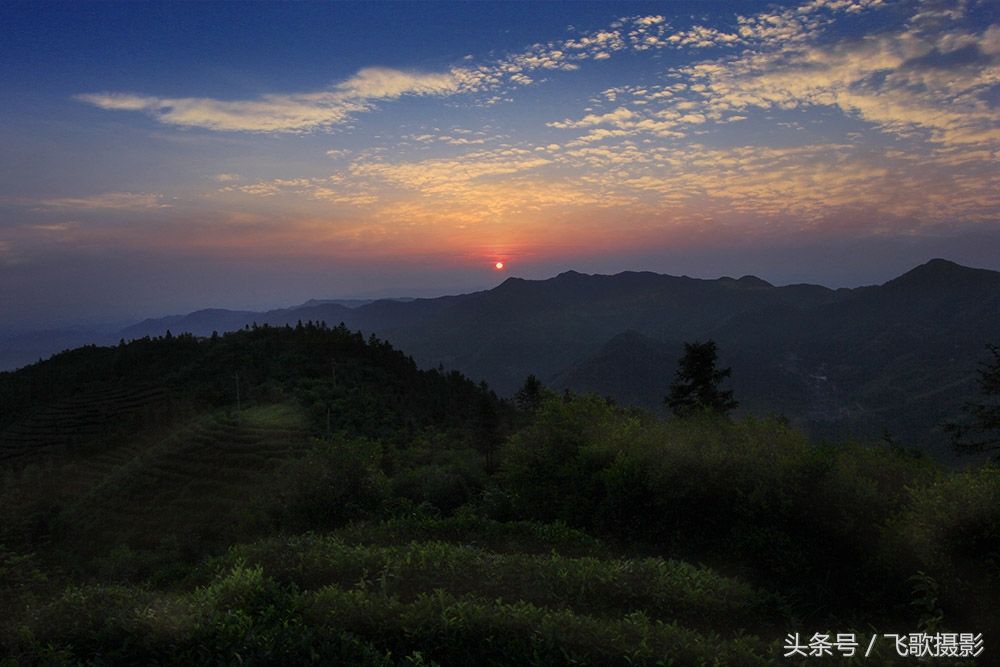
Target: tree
{"x":529,"y":396}
{"x":696,"y":386}
{"x":487,"y":425}
{"x":982,"y":432}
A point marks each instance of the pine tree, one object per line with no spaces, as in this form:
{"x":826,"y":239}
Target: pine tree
{"x":529,"y":396}
{"x":696,"y":388}
{"x":982,"y":433}
{"x":487,"y":425}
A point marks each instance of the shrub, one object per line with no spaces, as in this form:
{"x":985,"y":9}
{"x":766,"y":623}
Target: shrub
{"x":949,"y":533}
{"x":527,"y":537}
{"x":465,"y":630}
{"x":549,"y":467}
{"x":336,"y":482}
{"x":450,"y":479}
{"x":662,"y":589}
{"x":106,"y":624}
{"x":752,"y":494}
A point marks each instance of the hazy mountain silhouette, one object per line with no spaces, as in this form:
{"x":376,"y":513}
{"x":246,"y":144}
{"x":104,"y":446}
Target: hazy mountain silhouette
{"x":900,"y":356}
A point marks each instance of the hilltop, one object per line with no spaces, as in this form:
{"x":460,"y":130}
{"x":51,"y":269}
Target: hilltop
{"x":897,"y":357}
{"x":306,"y":494}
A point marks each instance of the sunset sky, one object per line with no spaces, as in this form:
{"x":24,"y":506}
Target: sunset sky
{"x":157,"y":158}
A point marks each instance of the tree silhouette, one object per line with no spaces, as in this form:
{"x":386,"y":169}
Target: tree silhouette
{"x":696,"y":386}
{"x":982,"y":433}
{"x":487,"y":425}
{"x":529,"y":396}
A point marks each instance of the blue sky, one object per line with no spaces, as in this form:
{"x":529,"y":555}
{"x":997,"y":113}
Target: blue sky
{"x":163,"y":157}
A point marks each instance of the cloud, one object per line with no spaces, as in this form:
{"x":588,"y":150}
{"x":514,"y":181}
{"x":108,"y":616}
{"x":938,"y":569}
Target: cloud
{"x":107,"y":201}
{"x":901,"y":81}
{"x":440,"y":175}
{"x":700,"y":37}
{"x":299,"y":112}
{"x":330,"y":189}
{"x":930,"y":77}
{"x":630,"y":122}
{"x":56,"y":226}
{"x":616,"y":118}
{"x":383,"y":83}
{"x":226,"y":178}
{"x":324,"y":109}
{"x":895,"y":124}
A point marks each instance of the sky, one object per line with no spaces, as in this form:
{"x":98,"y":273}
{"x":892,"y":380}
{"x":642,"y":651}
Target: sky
{"x":158,"y":158}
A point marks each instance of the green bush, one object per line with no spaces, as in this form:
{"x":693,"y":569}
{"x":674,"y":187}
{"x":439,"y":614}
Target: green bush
{"x":334,"y":483}
{"x":549,"y":468}
{"x":241,"y":618}
{"x":659,"y":588}
{"x":526,"y":537}
{"x":752,"y":494}
{"x":104,"y":624}
{"x":445,"y":486}
{"x":949,"y":532}
{"x":466,"y":630}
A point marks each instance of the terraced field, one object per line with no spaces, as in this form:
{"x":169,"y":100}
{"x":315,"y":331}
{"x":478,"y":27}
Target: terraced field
{"x":415,"y":591}
{"x":69,"y":425}
{"x":595,"y":584}
{"x":195,"y":480}
{"x":139,"y":526}
{"x":420,"y":584}
{"x":202,"y":477}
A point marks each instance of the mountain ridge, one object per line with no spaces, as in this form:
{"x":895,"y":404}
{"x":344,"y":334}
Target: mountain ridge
{"x":836,"y":361}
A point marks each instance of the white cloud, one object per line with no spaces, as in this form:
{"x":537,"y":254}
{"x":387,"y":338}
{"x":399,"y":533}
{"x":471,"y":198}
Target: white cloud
{"x":304,"y":112}
{"x":335,"y":189}
{"x":56,"y":227}
{"x":616,"y":118}
{"x":387,"y":83}
{"x":107,"y":200}
{"x":900,"y":81}
{"x":299,"y":112}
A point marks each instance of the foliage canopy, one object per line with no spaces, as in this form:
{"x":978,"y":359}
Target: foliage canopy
{"x":697,"y":386}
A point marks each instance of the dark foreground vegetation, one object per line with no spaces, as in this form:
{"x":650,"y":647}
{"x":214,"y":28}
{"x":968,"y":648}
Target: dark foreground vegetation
{"x":302,"y":495}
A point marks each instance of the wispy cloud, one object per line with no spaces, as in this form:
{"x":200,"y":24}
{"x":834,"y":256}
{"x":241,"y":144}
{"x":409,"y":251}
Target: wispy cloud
{"x":107,"y":201}
{"x":333,"y":189}
{"x":303,"y":112}
{"x":56,"y":227}
{"x":298,"y":112}
{"x":900,"y":81}
{"x":931,"y":77}
{"x":448,"y":174}
{"x":837,"y":121}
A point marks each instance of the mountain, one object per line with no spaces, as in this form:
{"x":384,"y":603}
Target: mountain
{"x":633,"y":368}
{"x":304,"y":494}
{"x":21,"y":348}
{"x":899,"y":356}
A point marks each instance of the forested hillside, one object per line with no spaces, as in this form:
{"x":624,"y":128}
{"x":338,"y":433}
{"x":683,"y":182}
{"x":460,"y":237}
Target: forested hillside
{"x":898,"y":357}
{"x":302,"y":494}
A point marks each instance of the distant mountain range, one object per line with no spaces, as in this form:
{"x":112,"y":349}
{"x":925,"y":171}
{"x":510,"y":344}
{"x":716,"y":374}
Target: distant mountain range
{"x":897,"y":359}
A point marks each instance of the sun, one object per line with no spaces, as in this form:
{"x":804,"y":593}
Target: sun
{"x":499,"y":266}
